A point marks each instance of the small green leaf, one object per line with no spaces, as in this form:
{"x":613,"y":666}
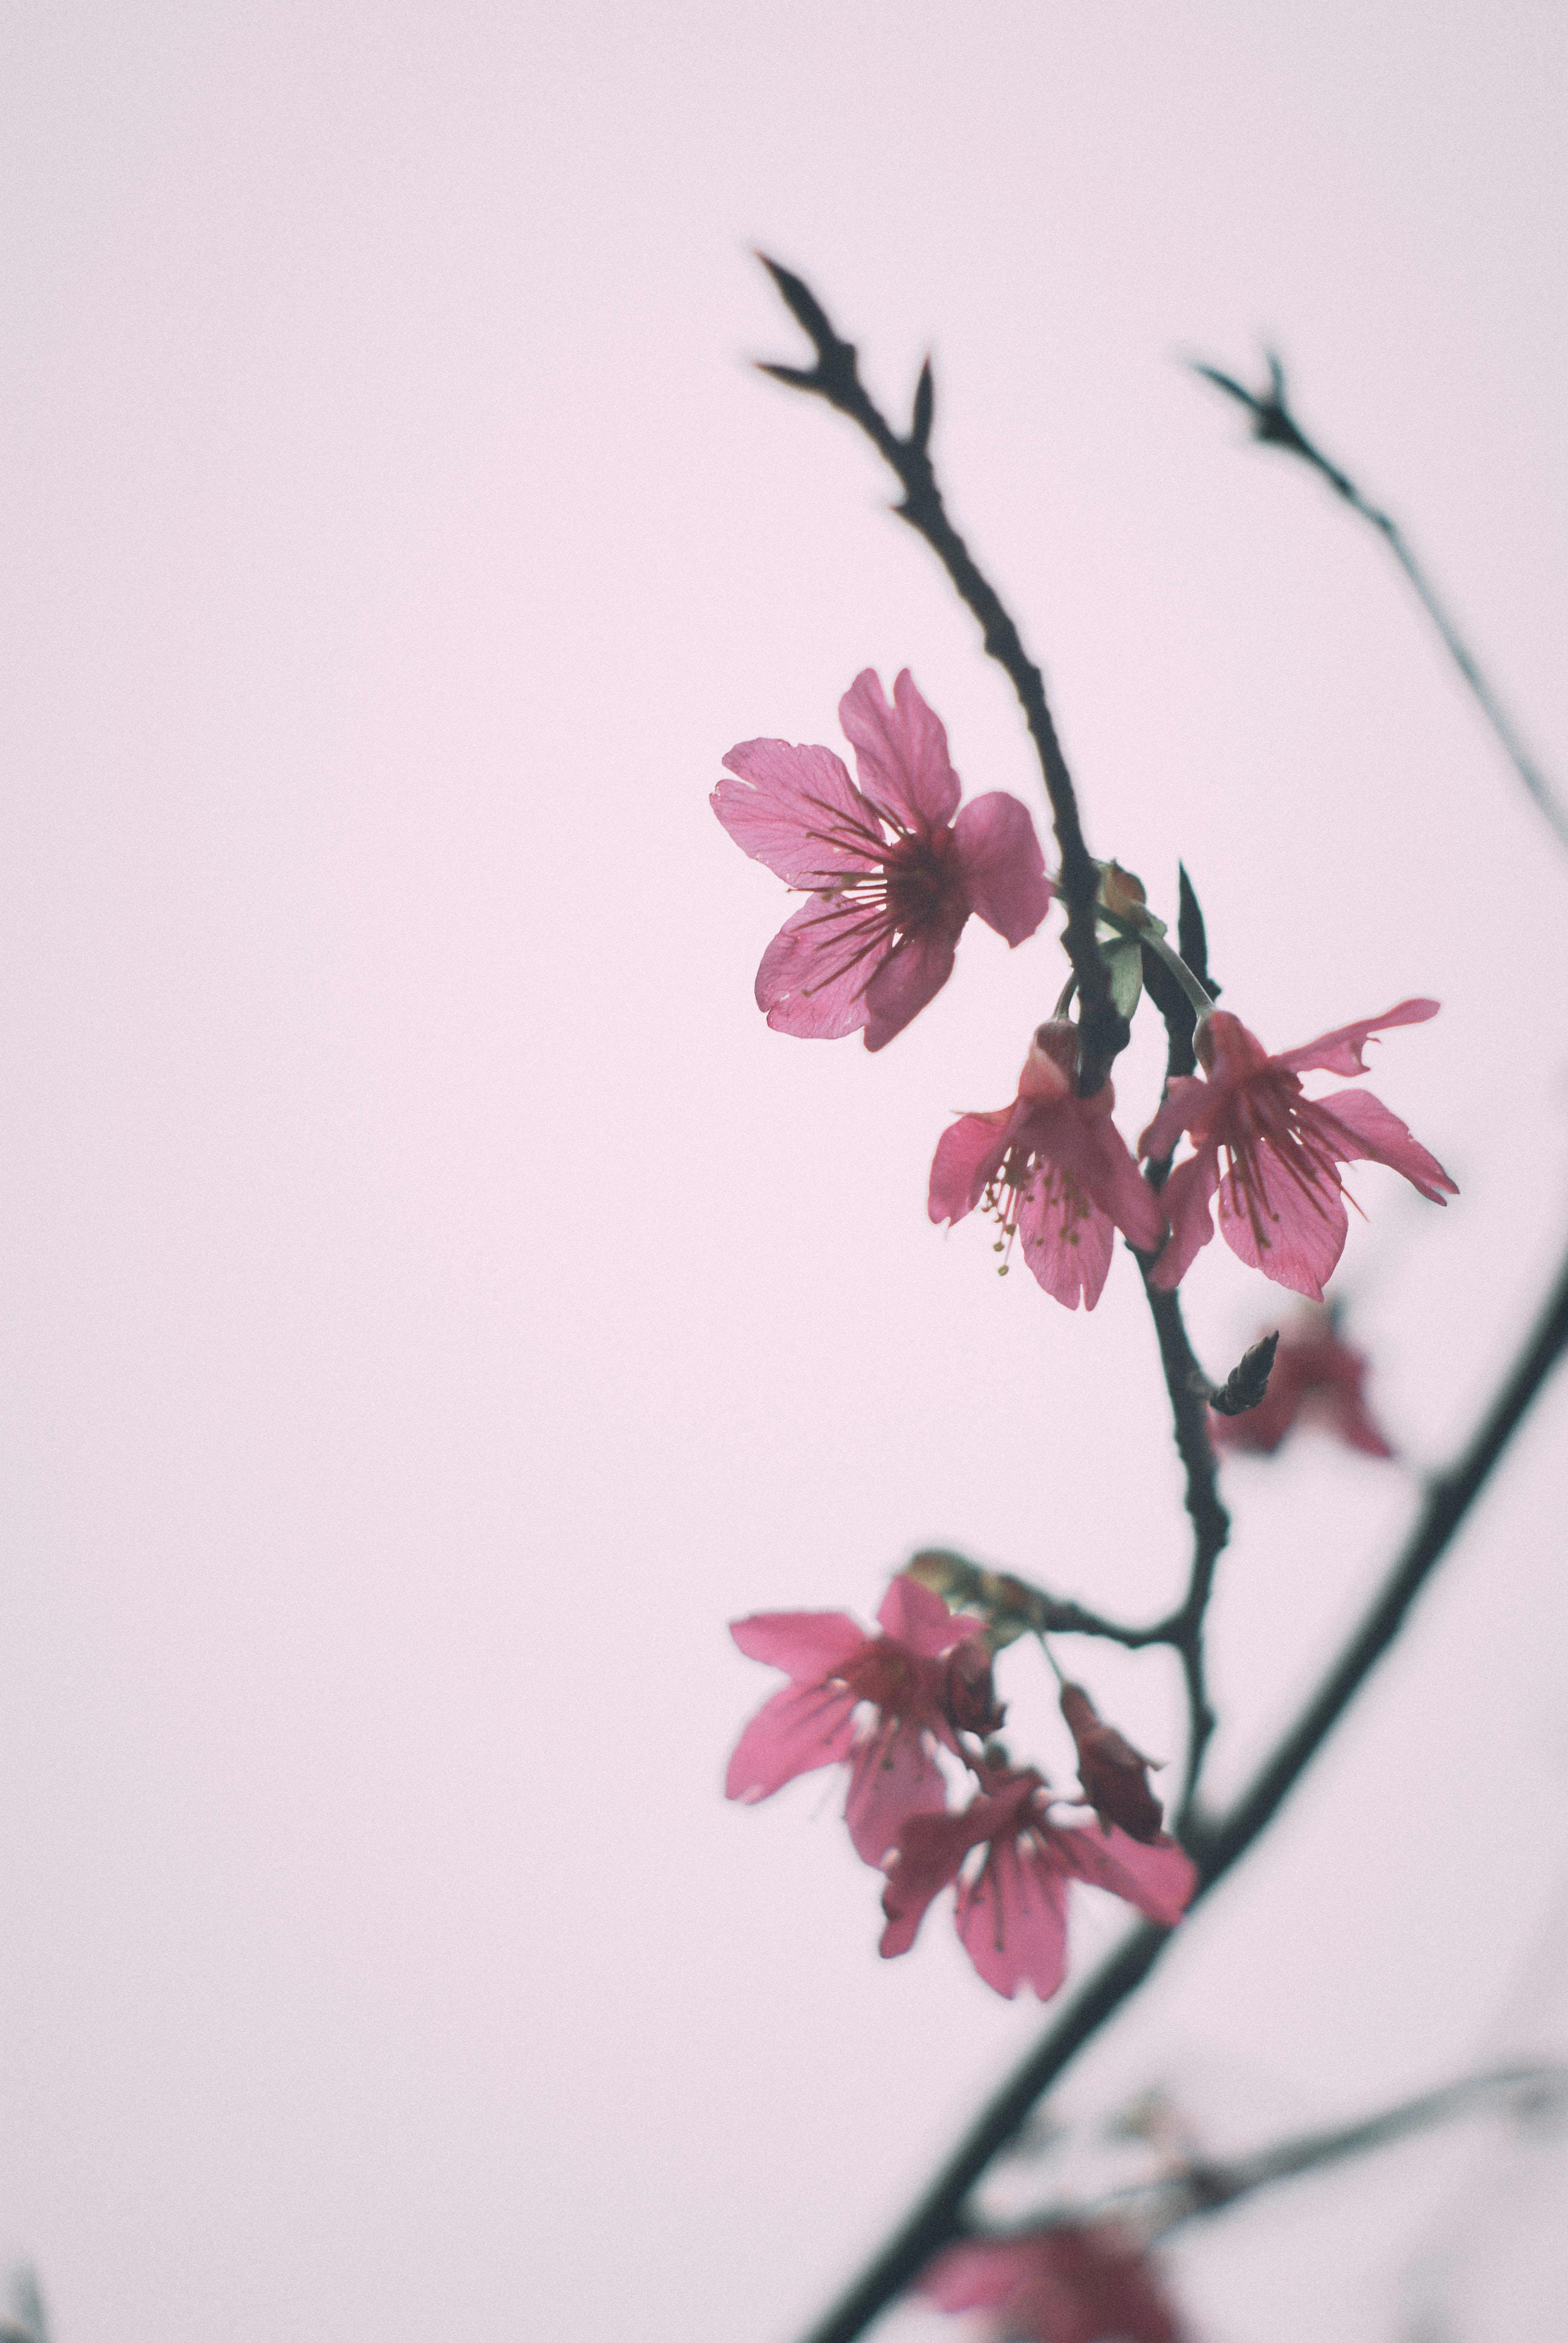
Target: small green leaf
{"x":1124,"y":961}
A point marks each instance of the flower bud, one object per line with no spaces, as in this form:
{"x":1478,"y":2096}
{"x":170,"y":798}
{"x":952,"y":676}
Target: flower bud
{"x":968,"y":1693}
{"x":1113,"y":1774}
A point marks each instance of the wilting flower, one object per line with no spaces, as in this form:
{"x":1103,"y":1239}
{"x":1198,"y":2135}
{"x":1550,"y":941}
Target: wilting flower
{"x":1076,"y":2283}
{"x":901,"y":1677}
{"x":1053,"y":1169}
{"x":1315,"y":1378}
{"x":892,"y":875}
{"x":1282,"y":1202}
{"x":1011,"y":1910}
{"x":1112,"y":1773}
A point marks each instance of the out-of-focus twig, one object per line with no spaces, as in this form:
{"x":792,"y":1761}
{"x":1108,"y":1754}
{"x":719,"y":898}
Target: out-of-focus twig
{"x":1274,"y":424}
{"x":1201,"y":2185}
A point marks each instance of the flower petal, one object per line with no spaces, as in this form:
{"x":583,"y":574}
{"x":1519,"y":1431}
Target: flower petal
{"x":800,"y":1728}
{"x":917,"y":1616}
{"x":1114,"y":1180}
{"x":998,"y":851}
{"x":1067,"y":1241}
{"x":797,"y":809}
{"x":978,"y":2274}
{"x":1187,"y":1196}
{"x":1366,"y":1131}
{"x":811,"y":979}
{"x":913,"y":973}
{"x":807,"y":1644}
{"x":931,"y":1851}
{"x":900,"y":752}
{"x":1286,"y":1215}
{"x":968,"y":1153}
{"x":1184,"y":1101}
{"x":893,"y":1774}
{"x":1340,"y":1052}
{"x":1012,"y":1920}
{"x":1160,"y":1878}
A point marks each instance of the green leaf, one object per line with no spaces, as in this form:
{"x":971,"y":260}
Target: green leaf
{"x":1124,"y":961}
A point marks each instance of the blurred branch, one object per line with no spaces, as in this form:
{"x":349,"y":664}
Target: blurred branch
{"x":1203,"y":2186}
{"x":1274,"y":424}
{"x":1103,"y":1031}
{"x":937,"y":2217}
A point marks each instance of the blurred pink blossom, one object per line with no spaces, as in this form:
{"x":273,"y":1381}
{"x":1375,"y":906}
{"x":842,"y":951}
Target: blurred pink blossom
{"x":1282,"y":1202}
{"x":1315,"y":1378}
{"x":834,"y":1669}
{"x":892,"y":875}
{"x":1072,"y":2284}
{"x":1053,"y":1169}
{"x":1011,"y":1913}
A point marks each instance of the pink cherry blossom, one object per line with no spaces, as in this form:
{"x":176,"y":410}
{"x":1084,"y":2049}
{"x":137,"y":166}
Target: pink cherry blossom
{"x":1074,"y":2283}
{"x":891,"y":875}
{"x":1281,"y":1200}
{"x":1052,"y":1171}
{"x":898,"y":1681}
{"x":1011,"y":1909}
{"x":1315,"y":1378}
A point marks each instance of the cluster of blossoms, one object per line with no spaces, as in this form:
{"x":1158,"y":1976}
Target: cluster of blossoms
{"x":893,"y":869}
{"x":887,"y":1706}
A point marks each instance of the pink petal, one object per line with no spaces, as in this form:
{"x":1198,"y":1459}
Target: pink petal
{"x":932,"y":1849}
{"x":1377,"y":1136}
{"x":1003,"y":869}
{"x":1300,"y":1231}
{"x":977,"y":2275}
{"x":1067,"y":1243}
{"x":900,"y":752}
{"x":1118,"y":1187}
{"x":912,"y":973}
{"x":1187,"y":1196}
{"x":800,"y":1728}
{"x":917,"y":1616}
{"x":894,"y":1775}
{"x":1184,"y":1099}
{"x":808,"y":1646}
{"x":968,"y":1153}
{"x":1012,"y":1920}
{"x":797,"y":810}
{"x":810,"y":980}
{"x":1159,"y":1878}
{"x":1340,"y":1052}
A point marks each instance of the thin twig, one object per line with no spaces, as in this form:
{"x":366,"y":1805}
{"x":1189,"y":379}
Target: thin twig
{"x":1203,"y":2186}
{"x":1273,"y":423}
{"x":936,"y":2219}
{"x":1103,"y":1031}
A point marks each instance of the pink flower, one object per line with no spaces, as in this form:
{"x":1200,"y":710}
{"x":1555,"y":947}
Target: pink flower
{"x":834,"y":1669}
{"x":1281,"y":1204}
{"x":1315,"y":1378}
{"x":1072,"y":2284}
{"x":1011,"y":1911}
{"x":1053,"y":1170}
{"x":892,"y":876}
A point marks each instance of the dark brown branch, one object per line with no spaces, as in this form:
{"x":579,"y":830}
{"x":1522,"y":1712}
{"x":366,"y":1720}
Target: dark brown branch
{"x":1103,"y":1031}
{"x":937,"y":2217}
{"x":1276,"y":427}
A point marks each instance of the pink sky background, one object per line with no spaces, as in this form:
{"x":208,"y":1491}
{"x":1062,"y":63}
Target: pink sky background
{"x":435,"y":1303}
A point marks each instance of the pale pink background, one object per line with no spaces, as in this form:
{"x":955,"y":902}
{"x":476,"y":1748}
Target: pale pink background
{"x":434,"y":1300}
